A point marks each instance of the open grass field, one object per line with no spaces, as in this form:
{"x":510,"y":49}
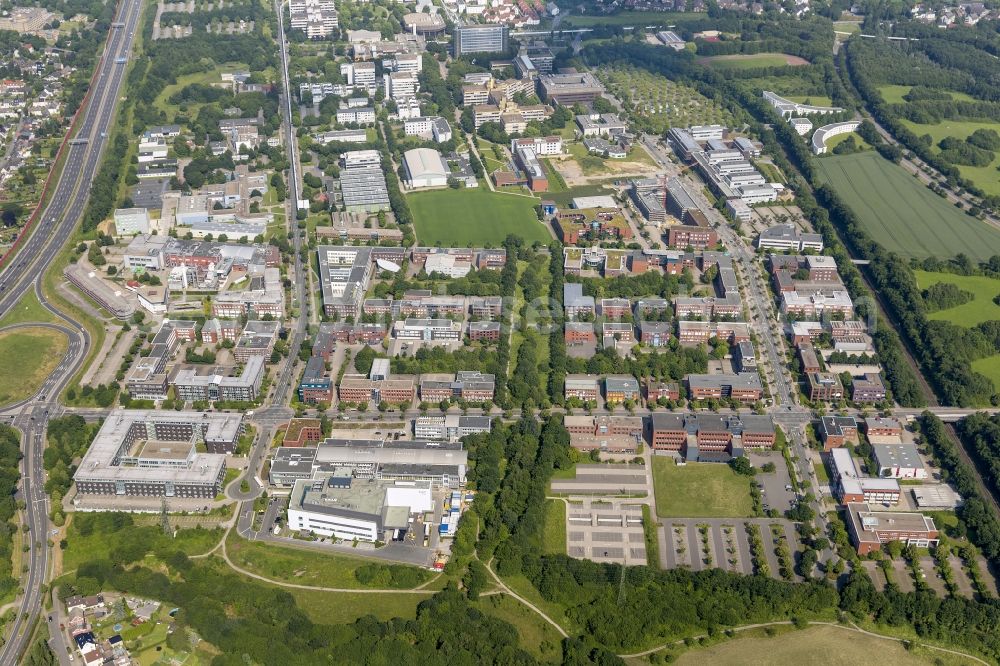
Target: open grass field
{"x":27,"y":310}
{"x":301,"y":566}
{"x":699,"y":490}
{"x":981,"y":308}
{"x":989,"y":367}
{"x":987,"y":178}
{"x":903,"y":215}
{"x":554,"y":537}
{"x":536,"y":635}
{"x":816,"y":100}
{"x":893,"y":94}
{"x":751,"y":61}
{"x":97,"y":546}
{"x":27,"y":357}
{"x":460,"y":217}
{"x":346,"y":607}
{"x":819,"y":645}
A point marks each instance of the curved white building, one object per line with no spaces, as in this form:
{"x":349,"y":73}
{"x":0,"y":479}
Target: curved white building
{"x":789,"y":109}
{"x":825,"y":132}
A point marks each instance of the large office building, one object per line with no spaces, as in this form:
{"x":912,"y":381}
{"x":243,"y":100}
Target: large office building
{"x":570,"y":89}
{"x":146,"y":453}
{"x":851,"y":486}
{"x":450,"y":427}
{"x":470,"y":39}
{"x":344,"y":274}
{"x":439,"y":462}
{"x":341,"y":506}
{"x":190,"y":384}
{"x":870,"y":529}
{"x":316,"y":18}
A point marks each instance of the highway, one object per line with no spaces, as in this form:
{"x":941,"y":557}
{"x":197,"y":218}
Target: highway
{"x":24,"y":271}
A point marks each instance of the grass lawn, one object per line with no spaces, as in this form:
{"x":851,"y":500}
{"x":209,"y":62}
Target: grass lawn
{"x":28,"y":309}
{"x":903,"y":215}
{"x":537,"y":636}
{"x":700,"y":490}
{"x":299,"y":565}
{"x":554,"y":536}
{"x":981,"y":308}
{"x":986,"y":177}
{"x":460,"y":217}
{"x":893,"y":94}
{"x":97,"y":546}
{"x":841,"y":138}
{"x":821,"y":645}
{"x":346,"y":607}
{"x":815,"y":100}
{"x":990,"y":367}
{"x":27,"y":357}
{"x":745,"y":61}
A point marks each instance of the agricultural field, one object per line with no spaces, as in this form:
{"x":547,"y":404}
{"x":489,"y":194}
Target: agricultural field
{"x":981,"y":308}
{"x":754,"y":60}
{"x":657,"y":104}
{"x":893,"y":94}
{"x":27,"y":357}
{"x":987,"y":178}
{"x":819,"y":645}
{"x":699,"y":490}
{"x":901,"y":214}
{"x":476,"y":216}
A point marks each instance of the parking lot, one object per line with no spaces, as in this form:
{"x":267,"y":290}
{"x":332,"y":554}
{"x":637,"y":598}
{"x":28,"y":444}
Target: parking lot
{"x":720,"y":543}
{"x":775,"y":487}
{"x":605,"y":531}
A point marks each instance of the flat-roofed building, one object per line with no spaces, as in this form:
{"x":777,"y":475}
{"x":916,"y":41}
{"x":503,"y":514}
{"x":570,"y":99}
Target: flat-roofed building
{"x":619,"y":388}
{"x":481,"y":38}
{"x":302,"y":432}
{"x":787,"y":237}
{"x":345,"y":273}
{"x":882,"y":430}
{"x":450,"y":426}
{"x":583,"y":387}
{"x":744,"y":386}
{"x":868,"y":388}
{"x":837,"y":431}
{"x":191,"y":384}
{"x":869,"y":530}
{"x":146,"y":453}
{"x":338,"y":505}
{"x":484,"y":331}
{"x":571,"y":88}
{"x":257,"y":339}
{"x":899,"y":461}
{"x":362,"y":390}
{"x":824,"y":386}
{"x":851,"y":486}
{"x":316,"y":384}
{"x":427,"y":329}
{"x":579,"y":333}
{"x":657,"y":390}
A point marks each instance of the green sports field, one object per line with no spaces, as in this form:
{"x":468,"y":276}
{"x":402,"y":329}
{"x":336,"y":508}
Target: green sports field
{"x":460,"y":217}
{"x":901,"y":214}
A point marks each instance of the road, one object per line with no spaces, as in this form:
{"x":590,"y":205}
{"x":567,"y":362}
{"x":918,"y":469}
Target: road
{"x":277,"y":412}
{"x":25,"y":271}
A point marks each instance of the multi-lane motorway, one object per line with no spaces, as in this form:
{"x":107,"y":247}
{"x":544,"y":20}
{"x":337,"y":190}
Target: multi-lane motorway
{"x":23,"y":272}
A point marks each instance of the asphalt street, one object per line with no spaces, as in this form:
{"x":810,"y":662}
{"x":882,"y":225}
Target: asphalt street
{"x":23,"y":272}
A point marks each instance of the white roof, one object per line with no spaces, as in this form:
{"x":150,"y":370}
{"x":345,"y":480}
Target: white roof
{"x":424,"y":162}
